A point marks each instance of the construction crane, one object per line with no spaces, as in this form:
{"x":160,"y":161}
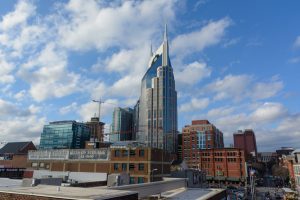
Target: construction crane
{"x":101,"y":102}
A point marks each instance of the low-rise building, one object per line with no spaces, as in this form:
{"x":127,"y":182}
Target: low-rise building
{"x":143,"y":164}
{"x":266,"y":157}
{"x":14,"y":154}
{"x":223,"y":164}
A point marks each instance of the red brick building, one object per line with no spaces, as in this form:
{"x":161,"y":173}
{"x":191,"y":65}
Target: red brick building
{"x":226,"y":164}
{"x":246,"y":140}
{"x":14,"y":154}
{"x":96,"y":128}
{"x":203,"y":148}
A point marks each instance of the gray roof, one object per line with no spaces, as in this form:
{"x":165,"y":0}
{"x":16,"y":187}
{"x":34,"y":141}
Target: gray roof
{"x":13,"y":147}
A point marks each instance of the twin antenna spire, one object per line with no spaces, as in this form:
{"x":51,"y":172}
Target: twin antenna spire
{"x":165,"y":39}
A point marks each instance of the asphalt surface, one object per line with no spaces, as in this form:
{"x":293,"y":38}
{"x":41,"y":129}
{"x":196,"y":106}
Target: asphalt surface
{"x":262,"y":190}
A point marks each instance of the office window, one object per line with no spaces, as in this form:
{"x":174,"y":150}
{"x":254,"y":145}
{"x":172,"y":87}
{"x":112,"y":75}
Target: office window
{"x":140,"y":179}
{"x":124,"y":166}
{"x":131,"y":180}
{"x":132,"y":152}
{"x":131,"y":166}
{"x":141,"y":153}
{"x":141,"y":167}
{"x":125,"y":153}
{"x":116,"y":166}
{"x":117,"y":153}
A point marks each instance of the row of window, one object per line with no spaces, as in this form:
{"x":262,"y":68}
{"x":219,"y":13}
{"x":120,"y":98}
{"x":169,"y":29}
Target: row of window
{"x":140,"y":180}
{"x":124,"y":153}
{"x":123,"y":166}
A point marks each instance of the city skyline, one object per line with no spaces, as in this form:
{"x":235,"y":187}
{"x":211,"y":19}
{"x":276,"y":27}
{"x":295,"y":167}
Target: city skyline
{"x":235,"y":69}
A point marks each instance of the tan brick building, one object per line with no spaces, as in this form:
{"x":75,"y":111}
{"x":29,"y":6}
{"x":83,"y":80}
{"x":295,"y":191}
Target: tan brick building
{"x":142,"y":163}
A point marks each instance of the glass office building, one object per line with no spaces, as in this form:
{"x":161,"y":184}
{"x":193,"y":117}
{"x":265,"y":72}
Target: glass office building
{"x":156,"y":109}
{"x":122,"y":125}
{"x":64,"y":135}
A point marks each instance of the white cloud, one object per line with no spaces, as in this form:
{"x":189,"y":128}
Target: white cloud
{"x":209,"y":35}
{"x":51,"y":78}
{"x":20,"y":95}
{"x":192,"y":73}
{"x":6,"y":69}
{"x":21,"y":128}
{"x":268,"y":112}
{"x":69,"y":108}
{"x":96,"y":25}
{"x":230,"y":87}
{"x":238,"y":87}
{"x":10,"y":110}
{"x":290,"y":125}
{"x":297,"y":42}
{"x":263,"y":90}
{"x":23,"y":10}
{"x":219,"y":112}
{"x":87,"y":110}
{"x":194,"y":105}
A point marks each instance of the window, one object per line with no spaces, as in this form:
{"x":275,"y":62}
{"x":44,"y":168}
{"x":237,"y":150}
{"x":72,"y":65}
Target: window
{"x":124,"y":166}
{"x":131,"y":180}
{"x":132,"y":152}
{"x":125,"y":153}
{"x":140,"y":179}
{"x":116,"y":166}
{"x":141,"y":153}
{"x":208,"y":137}
{"x":117,"y":153}
{"x":141,"y":167}
{"x":34,"y":164}
{"x":131,"y":166}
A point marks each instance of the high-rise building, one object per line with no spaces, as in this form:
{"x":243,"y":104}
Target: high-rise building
{"x":96,"y":128}
{"x":122,"y":125}
{"x":201,"y":134}
{"x":179,"y":147}
{"x":64,"y":135}
{"x":246,"y":140}
{"x":157,"y":105}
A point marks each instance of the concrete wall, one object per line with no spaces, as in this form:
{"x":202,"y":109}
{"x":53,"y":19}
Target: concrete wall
{"x":153,"y":188}
{"x":77,"y":176}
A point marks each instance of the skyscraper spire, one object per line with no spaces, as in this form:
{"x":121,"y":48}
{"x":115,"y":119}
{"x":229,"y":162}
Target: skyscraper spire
{"x":166,"y":33}
{"x":151,"y":52}
{"x":165,"y":48}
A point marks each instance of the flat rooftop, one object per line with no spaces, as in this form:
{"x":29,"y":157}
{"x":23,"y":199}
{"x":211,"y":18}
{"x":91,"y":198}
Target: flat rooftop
{"x":191,"y":193}
{"x":98,"y":193}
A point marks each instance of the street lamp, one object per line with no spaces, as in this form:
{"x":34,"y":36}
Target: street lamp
{"x":152,"y":173}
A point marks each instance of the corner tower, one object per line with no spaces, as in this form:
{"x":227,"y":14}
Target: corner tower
{"x":157,"y":112}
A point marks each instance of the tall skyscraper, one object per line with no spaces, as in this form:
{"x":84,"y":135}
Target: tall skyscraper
{"x":156,"y":110}
{"x":122,"y":125}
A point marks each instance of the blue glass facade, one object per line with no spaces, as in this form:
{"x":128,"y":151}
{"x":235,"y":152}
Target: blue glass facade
{"x":122,"y":125}
{"x":64,"y":135}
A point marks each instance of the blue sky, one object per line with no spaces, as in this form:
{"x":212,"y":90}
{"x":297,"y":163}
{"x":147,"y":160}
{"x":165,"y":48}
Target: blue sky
{"x":236,"y":63}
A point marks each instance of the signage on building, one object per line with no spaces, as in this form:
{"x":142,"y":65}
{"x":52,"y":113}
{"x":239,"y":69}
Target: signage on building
{"x":69,"y":154}
{"x":88,"y":154}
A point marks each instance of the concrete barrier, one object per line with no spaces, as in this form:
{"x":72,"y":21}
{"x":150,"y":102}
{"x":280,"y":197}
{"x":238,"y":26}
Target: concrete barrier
{"x":153,"y":188}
